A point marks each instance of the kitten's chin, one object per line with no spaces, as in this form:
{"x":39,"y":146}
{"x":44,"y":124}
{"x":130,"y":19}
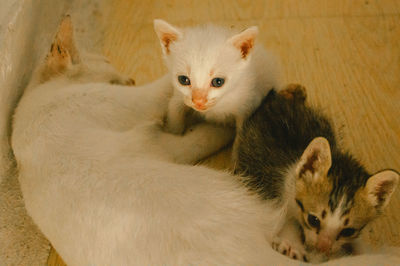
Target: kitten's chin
{"x":200,"y":109}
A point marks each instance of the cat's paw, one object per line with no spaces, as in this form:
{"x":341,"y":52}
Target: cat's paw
{"x":286,"y":248}
{"x":175,"y":128}
{"x":123,"y":81}
{"x":130,"y":82}
{"x":294,"y":92}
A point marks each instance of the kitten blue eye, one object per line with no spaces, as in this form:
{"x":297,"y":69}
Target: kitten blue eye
{"x":347,"y":232}
{"x":217,"y":82}
{"x":313,"y":221}
{"x":185,"y":81}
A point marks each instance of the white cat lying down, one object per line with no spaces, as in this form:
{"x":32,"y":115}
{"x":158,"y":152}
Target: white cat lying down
{"x":102,"y":180}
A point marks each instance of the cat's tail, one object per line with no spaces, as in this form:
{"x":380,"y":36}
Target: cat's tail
{"x":294,"y":92}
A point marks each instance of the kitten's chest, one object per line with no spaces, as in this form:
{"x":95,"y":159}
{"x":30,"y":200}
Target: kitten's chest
{"x":230,"y":109}
{"x":225,"y":118}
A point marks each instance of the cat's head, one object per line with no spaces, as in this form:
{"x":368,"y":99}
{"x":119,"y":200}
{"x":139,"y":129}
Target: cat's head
{"x":336,"y":198}
{"x":64,"y":60}
{"x":205,"y":62}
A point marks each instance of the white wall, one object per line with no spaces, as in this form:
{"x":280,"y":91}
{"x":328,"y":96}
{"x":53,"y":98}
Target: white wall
{"x":26,"y":26}
{"x":26,"y":31}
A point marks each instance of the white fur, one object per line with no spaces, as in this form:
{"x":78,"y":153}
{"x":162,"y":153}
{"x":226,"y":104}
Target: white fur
{"x":101,"y":180}
{"x":205,"y":52}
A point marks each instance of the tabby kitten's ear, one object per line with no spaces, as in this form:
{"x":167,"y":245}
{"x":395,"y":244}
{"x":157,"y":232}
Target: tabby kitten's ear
{"x":380,"y":187}
{"x":315,"y":161}
{"x":166,"y":33}
{"x":244,"y":41}
{"x":63,"y":52}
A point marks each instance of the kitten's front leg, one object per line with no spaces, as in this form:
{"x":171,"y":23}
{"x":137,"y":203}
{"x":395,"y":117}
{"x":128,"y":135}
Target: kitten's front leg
{"x":175,"y":122}
{"x":288,"y":242}
{"x":199,"y":142}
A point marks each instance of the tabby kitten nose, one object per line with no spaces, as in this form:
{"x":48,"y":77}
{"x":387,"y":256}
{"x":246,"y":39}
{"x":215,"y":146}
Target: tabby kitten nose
{"x":324,"y":245}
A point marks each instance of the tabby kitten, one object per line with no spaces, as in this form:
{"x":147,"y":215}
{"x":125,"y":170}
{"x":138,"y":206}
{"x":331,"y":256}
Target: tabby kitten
{"x":288,"y":152}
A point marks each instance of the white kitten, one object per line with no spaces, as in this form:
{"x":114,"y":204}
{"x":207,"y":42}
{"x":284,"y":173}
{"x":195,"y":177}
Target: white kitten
{"x":100,"y":179}
{"x":220,"y":74}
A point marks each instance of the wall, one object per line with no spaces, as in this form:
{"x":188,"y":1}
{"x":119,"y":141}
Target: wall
{"x":26,"y":31}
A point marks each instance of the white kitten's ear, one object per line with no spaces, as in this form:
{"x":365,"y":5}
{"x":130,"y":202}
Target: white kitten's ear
{"x":380,"y":188}
{"x":63,"y":51}
{"x":244,"y":41}
{"x":166,"y":33}
{"x":315,"y":161}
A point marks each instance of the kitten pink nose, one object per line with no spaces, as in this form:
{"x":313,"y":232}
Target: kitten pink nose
{"x":324,"y":244}
{"x":199,"y":99}
{"x":200,"y":104}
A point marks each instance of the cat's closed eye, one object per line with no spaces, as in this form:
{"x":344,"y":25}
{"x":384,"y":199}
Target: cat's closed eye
{"x":184,"y":80}
{"x":217,"y":82}
{"x":347,"y":232}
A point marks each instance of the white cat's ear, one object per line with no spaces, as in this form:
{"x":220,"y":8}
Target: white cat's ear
{"x":315,"y":161}
{"x":244,"y":41}
{"x":166,"y":33}
{"x":380,"y":187}
{"x":63,"y":51}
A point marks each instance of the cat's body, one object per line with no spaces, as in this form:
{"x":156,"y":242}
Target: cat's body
{"x":100,"y":177}
{"x":288,"y":152}
{"x":220,"y":74}
{"x":101,"y":180}
{"x":293,"y":126}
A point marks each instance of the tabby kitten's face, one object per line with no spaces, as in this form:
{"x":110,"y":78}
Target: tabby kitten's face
{"x":206,"y":62}
{"x":333,"y":215}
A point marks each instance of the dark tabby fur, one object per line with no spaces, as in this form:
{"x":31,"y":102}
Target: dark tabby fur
{"x":288,"y":153}
{"x":275,"y":137}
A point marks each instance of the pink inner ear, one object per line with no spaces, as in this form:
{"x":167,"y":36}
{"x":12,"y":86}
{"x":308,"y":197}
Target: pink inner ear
{"x":166,"y":39}
{"x":309,"y":164}
{"x":245,"y":47}
{"x":382,"y":190}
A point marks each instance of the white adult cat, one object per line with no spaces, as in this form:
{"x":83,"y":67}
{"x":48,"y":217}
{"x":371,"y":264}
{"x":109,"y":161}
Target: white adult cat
{"x":220,"y":74}
{"x":100,"y":178}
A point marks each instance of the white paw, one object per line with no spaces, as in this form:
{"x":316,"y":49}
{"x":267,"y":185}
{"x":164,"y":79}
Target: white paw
{"x":286,"y":248}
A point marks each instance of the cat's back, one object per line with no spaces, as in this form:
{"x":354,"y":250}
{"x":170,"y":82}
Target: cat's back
{"x":274,"y":138}
{"x":41,"y":109}
{"x":287,"y":124}
{"x":89,"y":106}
